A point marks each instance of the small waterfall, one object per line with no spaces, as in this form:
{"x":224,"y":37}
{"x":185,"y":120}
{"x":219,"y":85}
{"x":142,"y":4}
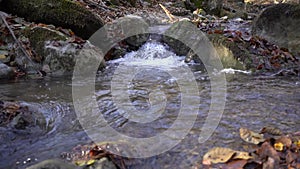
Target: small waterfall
{"x":152,"y":54}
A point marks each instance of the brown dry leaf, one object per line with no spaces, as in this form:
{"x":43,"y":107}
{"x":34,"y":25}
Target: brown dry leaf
{"x":250,"y":136}
{"x":242,"y":155}
{"x":11,"y":107}
{"x":289,"y":55}
{"x":218,"y":155}
{"x":271,"y":130}
{"x":218,"y":31}
{"x":266,"y":150}
{"x":269,"y":164}
{"x":291,"y":157}
{"x":286,"y":141}
{"x":236,"y":164}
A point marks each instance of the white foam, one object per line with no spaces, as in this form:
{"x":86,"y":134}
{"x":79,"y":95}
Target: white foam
{"x":152,"y":54}
{"x":233,"y":71}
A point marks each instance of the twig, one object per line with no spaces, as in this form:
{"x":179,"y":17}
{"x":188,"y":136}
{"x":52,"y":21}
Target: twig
{"x":168,"y":13}
{"x":18,"y":42}
{"x":100,"y":6}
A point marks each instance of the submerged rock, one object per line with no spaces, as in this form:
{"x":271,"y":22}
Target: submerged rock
{"x":103,"y":163}
{"x":52,"y":164}
{"x":280,"y":24}
{"x":22,"y":116}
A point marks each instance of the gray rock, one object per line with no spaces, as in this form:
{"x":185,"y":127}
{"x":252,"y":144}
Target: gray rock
{"x":103,"y":163}
{"x":55,"y":54}
{"x":52,"y":164}
{"x":280,"y":24}
{"x":136,"y":40}
{"x":30,"y":118}
{"x":6,"y":72}
{"x":213,"y":48}
{"x":61,"y":60}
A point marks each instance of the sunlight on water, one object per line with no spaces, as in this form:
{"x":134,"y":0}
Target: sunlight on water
{"x":153,"y":54}
{"x":233,"y":71}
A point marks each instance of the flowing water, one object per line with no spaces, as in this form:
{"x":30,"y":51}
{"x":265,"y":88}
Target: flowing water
{"x":152,"y":89}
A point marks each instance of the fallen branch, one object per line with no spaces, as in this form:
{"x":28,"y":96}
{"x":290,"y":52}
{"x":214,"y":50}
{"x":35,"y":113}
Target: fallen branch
{"x":168,"y":13}
{"x":18,"y":42}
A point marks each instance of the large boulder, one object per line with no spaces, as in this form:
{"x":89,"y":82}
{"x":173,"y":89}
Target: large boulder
{"x":280,"y":24}
{"x":230,"y":54}
{"x":55,"y":53}
{"x":61,"y":60}
{"x":64,"y":13}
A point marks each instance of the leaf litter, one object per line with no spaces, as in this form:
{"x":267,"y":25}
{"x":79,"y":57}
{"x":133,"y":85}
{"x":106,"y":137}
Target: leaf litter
{"x":278,"y":151}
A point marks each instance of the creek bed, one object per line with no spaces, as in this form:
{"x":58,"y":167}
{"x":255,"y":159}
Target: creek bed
{"x":251,"y":101}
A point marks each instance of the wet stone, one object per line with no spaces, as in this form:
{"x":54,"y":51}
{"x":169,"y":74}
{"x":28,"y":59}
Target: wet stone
{"x":6,"y":72}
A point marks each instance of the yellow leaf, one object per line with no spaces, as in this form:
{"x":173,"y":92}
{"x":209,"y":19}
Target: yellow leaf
{"x":285,"y":141}
{"x":297,"y":143}
{"x":250,"y":136}
{"x":2,"y":57}
{"x":242,"y":155}
{"x":90,"y":162}
{"x":271,"y":130}
{"x":80,"y":163}
{"x":278,"y":146}
{"x":218,"y":155}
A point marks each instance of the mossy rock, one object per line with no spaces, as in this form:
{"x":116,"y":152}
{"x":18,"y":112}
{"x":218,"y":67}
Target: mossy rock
{"x":231,"y":54}
{"x":63,"y":13}
{"x":53,"y":164}
{"x":280,"y":24}
{"x":39,"y":35}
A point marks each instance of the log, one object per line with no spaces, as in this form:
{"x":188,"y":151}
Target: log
{"x":64,"y":13}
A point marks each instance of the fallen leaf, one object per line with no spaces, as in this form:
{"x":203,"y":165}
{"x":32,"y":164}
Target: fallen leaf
{"x":270,"y":164}
{"x":297,"y":144}
{"x":271,"y":130}
{"x":218,"y":155}
{"x":218,"y":31}
{"x":266,"y":150}
{"x":2,"y":56}
{"x":90,"y":162}
{"x":290,"y":157}
{"x":11,"y":107}
{"x":236,"y":164}
{"x":80,"y":163}
{"x":242,"y":155}
{"x":286,"y":141}
{"x":260,"y":66}
{"x":250,"y":136}
{"x":278,"y":146}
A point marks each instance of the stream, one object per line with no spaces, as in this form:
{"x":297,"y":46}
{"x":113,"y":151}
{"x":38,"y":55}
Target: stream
{"x":251,"y":101}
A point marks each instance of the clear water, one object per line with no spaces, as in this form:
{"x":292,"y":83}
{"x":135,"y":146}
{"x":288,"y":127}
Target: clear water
{"x":251,"y":101}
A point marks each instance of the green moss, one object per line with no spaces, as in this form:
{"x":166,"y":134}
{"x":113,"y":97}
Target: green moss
{"x":197,"y":3}
{"x":39,"y":35}
{"x":64,"y":13}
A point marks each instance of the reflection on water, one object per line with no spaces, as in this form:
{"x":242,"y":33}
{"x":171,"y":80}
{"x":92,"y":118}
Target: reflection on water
{"x":252,"y":102}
